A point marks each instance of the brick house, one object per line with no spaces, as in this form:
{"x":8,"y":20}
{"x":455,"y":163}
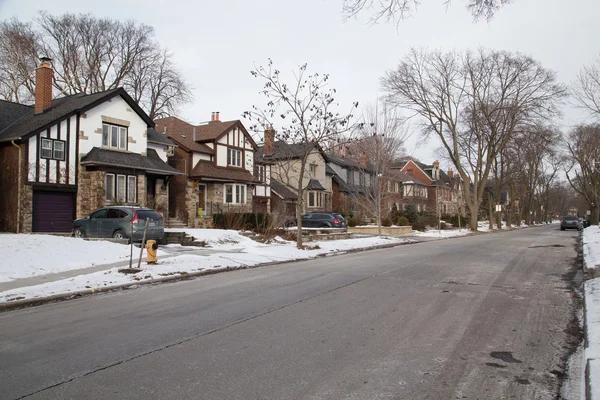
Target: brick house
{"x":286,"y":161}
{"x":444,"y":191}
{"x":62,"y":158}
{"x":217,"y":160}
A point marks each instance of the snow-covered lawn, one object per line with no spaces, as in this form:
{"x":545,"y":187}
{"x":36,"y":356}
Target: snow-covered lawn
{"x":444,"y":233}
{"x":591,"y":260}
{"x":25,"y":256}
{"x":591,"y":247}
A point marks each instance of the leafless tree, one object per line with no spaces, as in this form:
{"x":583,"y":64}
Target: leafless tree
{"x":91,"y":55}
{"x":397,"y":10}
{"x":582,"y":164}
{"x":473,"y":103}
{"x":306,"y":110}
{"x":586,"y":89}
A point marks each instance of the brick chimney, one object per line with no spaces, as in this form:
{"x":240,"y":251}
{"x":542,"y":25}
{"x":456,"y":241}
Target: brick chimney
{"x":269,"y":142}
{"x":216,"y":116}
{"x":450,"y":173}
{"x":363,"y":159}
{"x":43,"y":86}
{"x":212,"y":116}
{"x":436,"y":170}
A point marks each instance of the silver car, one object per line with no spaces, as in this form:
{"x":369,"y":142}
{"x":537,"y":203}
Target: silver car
{"x":121,"y":222}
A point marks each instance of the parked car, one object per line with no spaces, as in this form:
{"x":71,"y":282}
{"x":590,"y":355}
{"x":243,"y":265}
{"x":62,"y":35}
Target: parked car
{"x":570,"y":222}
{"x":121,"y":222}
{"x":323,"y":220}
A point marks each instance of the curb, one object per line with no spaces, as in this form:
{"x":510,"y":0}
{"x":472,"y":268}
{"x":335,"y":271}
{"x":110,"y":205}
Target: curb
{"x":12,"y":305}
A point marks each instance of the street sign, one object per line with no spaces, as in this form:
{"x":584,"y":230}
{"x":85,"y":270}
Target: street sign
{"x":498,"y":207}
{"x":588,"y":212}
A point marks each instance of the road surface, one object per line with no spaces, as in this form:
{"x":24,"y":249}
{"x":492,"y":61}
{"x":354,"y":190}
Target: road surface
{"x":476,"y":317}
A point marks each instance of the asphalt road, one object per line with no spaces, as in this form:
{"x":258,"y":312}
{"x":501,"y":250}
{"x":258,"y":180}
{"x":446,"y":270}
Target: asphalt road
{"x":477,"y":317}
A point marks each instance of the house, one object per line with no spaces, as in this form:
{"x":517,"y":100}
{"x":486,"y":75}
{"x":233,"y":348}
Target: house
{"x":62,"y":158}
{"x":444,"y":190}
{"x":217,"y":160}
{"x":286,"y":162}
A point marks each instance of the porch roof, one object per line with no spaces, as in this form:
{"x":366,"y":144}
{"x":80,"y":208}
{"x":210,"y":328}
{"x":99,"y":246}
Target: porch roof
{"x":206,"y":170}
{"x":151,"y":163}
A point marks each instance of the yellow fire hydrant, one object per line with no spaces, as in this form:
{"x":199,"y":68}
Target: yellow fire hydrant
{"x":151,"y":247}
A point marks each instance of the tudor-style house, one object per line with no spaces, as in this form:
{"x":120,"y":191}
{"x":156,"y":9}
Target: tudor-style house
{"x":217,"y":159}
{"x":444,"y":192}
{"x":62,"y":158}
{"x":286,"y":161}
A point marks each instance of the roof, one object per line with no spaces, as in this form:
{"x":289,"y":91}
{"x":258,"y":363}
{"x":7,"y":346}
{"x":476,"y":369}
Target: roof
{"x":16,"y":123}
{"x":157,"y":137}
{"x":346,"y":162}
{"x":182,"y":133}
{"x":329,"y":170}
{"x":314,"y":184}
{"x":282,"y":191}
{"x":342,"y":185}
{"x":428,"y":170}
{"x":213,"y":130}
{"x":208,"y":171}
{"x":286,"y":151}
{"x":150,"y":163}
{"x":403,"y":177}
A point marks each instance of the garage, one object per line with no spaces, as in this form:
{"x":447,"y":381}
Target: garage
{"x":52,"y":211}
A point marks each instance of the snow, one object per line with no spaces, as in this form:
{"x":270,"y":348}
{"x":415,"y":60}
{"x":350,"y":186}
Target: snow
{"x":445,"y":233}
{"x":31,"y":256}
{"x":591,"y":247}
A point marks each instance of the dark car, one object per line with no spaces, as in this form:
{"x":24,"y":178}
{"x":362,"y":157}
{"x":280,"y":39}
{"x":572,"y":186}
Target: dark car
{"x":121,"y":222}
{"x":323,"y":220}
{"x":570,"y":222}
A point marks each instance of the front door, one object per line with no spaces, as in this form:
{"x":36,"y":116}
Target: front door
{"x":201,"y":197}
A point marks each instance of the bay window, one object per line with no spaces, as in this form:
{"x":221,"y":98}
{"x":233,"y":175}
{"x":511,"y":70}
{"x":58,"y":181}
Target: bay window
{"x":235,"y":194}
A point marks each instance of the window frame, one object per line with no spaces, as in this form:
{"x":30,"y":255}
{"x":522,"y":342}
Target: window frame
{"x":42,"y":148}
{"x":64,"y":145}
{"x":234,"y":155}
{"x":129,"y":187}
{"x":122,"y":136}
{"x":121,"y":197}
{"x":236,"y":193}
{"x":112,"y":188}
{"x":112,"y":192}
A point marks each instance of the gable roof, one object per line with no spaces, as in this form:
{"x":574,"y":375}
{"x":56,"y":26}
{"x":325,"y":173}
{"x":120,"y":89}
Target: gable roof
{"x":282,"y":191}
{"x":289,"y":151}
{"x":214,"y":130}
{"x":150,"y":163}
{"x":157,"y":137}
{"x":182,"y":133}
{"x":208,"y":171}
{"x":403,"y":177}
{"x":27,"y":122}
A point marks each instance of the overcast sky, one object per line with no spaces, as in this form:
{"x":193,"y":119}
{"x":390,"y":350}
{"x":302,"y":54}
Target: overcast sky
{"x":217,"y":43}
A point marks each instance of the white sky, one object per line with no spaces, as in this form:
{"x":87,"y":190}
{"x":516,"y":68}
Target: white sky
{"x":217,"y":43}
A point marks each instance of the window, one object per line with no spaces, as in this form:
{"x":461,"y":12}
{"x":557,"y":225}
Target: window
{"x":110,"y":187}
{"x":312,"y":170}
{"x":114,"y":136}
{"x":396,"y":187}
{"x":234,"y":157}
{"x":131,"y":189}
{"x":350,"y":177}
{"x":59,"y":150}
{"x":315,"y":199}
{"x":121,"y":186}
{"x":260,"y":173}
{"x":122,"y":189}
{"x":46,"y":148}
{"x":235,"y":194}
{"x":361,"y":179}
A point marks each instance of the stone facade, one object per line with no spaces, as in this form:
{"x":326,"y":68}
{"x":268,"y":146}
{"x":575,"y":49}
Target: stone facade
{"x":90,"y":192}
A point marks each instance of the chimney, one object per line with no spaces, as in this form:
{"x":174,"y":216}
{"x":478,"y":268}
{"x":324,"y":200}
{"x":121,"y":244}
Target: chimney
{"x":212,"y":116}
{"x":450,"y":173}
{"x":436,"y":170}
{"x":217,"y":116}
{"x":269,"y":142}
{"x":363,"y":159}
{"x":43,"y":86}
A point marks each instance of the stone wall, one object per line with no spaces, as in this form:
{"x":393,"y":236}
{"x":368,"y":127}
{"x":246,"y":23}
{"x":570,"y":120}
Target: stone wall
{"x":90,"y":192}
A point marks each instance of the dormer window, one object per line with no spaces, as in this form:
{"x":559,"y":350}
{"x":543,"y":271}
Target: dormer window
{"x":234,"y":157}
{"x":114,"y":136}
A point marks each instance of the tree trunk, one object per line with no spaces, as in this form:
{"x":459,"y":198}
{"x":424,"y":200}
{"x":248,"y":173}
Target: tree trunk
{"x":473,"y":220}
{"x":491,"y":212}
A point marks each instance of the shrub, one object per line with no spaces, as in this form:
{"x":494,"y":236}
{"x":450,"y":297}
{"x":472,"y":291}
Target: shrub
{"x":386,"y":222}
{"x":352,"y":222}
{"x":429,"y":220}
{"x":402,"y":221}
{"x":410,"y":212}
{"x":418,"y":226}
{"x":249,"y":221}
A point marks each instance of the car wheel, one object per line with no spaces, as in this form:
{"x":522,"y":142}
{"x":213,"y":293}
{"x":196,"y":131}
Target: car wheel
{"x":78,"y":233}
{"x":119,"y":234}
{"x":562,"y":229}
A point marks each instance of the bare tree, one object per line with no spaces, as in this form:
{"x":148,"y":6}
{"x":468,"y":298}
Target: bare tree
{"x":473,"y":103}
{"x":91,"y":55}
{"x":306,"y":109}
{"x":582,"y":165}
{"x":586,"y":89}
{"x":397,"y":10}
{"x":381,"y":137}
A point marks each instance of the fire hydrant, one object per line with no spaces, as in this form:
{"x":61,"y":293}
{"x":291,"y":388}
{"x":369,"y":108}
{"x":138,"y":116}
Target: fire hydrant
{"x":151,"y":247}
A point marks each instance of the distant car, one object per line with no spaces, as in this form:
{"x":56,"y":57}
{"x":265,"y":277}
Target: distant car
{"x":570,"y":222}
{"x":121,"y":222}
{"x":324,"y":220}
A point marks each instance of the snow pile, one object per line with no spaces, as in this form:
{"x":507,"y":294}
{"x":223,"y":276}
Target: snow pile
{"x":443,"y":233}
{"x":217,"y":238}
{"x":591,"y":247}
{"x":30,"y":255}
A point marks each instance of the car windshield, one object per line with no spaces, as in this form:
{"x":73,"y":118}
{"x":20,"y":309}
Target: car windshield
{"x":569,"y":218}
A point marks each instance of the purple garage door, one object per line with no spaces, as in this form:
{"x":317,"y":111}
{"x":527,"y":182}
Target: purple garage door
{"x":52,"y":211}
